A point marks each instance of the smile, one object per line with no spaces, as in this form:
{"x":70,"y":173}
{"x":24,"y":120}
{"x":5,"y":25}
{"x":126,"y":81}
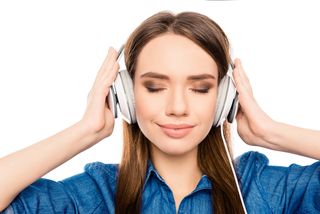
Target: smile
{"x":173,"y":132}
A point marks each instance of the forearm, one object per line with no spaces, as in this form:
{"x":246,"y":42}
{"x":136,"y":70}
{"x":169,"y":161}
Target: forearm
{"x":20,"y":169}
{"x":295,"y":140}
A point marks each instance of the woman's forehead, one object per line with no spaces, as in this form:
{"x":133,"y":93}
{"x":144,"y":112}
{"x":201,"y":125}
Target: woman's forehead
{"x":172,"y":55}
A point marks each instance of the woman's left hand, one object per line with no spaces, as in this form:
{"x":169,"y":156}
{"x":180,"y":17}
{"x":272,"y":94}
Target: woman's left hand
{"x":253,"y":123}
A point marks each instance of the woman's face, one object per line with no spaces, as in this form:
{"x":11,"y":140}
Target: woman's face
{"x":175,"y":83}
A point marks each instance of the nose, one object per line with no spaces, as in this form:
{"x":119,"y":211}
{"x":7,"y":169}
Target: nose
{"x":177,"y":104}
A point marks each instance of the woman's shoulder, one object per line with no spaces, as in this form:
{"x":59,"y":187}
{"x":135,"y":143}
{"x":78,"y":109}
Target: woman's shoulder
{"x":253,"y":167}
{"x":253,"y":160}
{"x":250,"y":165}
{"x":249,"y":159}
{"x":99,"y":168}
{"x":98,"y":177}
{"x":277,"y":188}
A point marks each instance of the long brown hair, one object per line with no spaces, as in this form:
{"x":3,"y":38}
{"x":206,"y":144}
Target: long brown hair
{"x":212,"y":157}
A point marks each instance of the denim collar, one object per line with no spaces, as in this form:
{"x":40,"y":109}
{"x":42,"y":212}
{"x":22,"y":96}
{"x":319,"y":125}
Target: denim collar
{"x":204,"y":182}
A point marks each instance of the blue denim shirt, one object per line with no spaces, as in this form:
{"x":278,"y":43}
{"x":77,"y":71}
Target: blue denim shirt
{"x":266,"y":189}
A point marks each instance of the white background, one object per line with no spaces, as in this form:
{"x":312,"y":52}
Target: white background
{"x":50,"y":52}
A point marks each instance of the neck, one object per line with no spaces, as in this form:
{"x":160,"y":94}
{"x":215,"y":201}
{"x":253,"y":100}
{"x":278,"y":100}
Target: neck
{"x":181,"y":172}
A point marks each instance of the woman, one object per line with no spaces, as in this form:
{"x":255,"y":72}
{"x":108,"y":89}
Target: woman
{"x":162,"y":171}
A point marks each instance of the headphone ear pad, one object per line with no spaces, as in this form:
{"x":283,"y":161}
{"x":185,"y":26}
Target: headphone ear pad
{"x":112,"y":102}
{"x":125,"y":96}
{"x":227,"y":102}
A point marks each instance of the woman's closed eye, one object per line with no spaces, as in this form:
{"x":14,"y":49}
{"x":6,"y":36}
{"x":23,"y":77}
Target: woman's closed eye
{"x":200,"y":90}
{"x":153,"y":90}
{"x":203,"y":88}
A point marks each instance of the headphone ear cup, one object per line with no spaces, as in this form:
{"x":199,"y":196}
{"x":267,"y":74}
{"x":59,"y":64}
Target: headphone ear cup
{"x":124,"y":91}
{"x":227,"y":102}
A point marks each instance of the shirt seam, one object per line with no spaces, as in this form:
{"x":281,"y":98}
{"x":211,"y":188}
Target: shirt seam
{"x":94,"y":210}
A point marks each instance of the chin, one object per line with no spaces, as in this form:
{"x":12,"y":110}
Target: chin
{"x":174,"y":148}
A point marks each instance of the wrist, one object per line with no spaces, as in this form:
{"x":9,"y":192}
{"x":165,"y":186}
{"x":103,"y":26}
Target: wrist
{"x":88,"y":136}
{"x":92,"y":132}
{"x":272,"y":135}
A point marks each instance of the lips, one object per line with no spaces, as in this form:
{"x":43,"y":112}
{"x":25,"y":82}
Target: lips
{"x":176,"y":130}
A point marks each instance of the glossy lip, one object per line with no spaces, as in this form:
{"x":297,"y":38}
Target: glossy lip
{"x":176,"y":130}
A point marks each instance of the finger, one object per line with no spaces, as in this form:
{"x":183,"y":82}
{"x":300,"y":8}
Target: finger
{"x":106,"y":74}
{"x":243,"y":80}
{"x":242,"y":73}
{"x":236,"y":75}
{"x":108,"y":61}
{"x":106,"y":67}
{"x":109,"y":78}
{"x":239,"y":71}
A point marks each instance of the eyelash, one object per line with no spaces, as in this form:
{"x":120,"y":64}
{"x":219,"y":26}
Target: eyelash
{"x":156,"y":90}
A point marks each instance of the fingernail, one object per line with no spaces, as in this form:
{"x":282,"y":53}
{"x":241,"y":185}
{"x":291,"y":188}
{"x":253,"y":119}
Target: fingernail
{"x":109,"y":50}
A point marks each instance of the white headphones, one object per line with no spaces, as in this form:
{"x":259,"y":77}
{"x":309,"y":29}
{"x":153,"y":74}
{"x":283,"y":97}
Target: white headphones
{"x":121,"y":94}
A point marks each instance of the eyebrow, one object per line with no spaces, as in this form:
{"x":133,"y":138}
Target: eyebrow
{"x":164,"y":77}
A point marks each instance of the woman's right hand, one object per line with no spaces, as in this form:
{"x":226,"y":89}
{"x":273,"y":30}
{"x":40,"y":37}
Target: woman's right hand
{"x":98,"y":118}
{"x":44,"y":156}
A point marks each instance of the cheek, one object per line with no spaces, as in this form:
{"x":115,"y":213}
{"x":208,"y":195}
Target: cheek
{"x":145,"y":105}
{"x":204,"y":108}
